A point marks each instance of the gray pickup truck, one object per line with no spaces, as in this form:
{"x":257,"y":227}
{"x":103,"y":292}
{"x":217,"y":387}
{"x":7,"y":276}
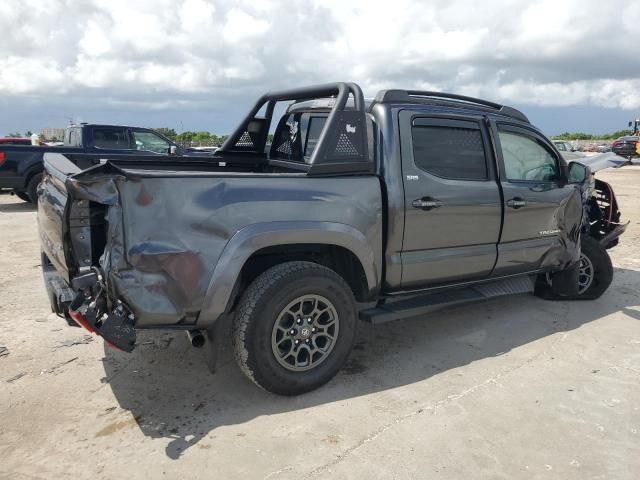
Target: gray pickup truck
{"x":372,"y":209}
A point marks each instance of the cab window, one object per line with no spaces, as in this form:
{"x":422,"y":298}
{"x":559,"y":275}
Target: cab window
{"x":113,"y":138}
{"x":449,"y":152}
{"x":526,"y":158}
{"x":150,"y":142}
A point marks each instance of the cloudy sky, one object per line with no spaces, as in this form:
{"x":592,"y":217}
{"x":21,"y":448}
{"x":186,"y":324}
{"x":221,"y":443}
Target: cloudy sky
{"x":198,"y":64}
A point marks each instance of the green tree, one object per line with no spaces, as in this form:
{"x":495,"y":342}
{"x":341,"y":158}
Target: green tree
{"x":618,"y":134}
{"x":15,"y":135}
{"x":202,"y":137}
{"x":28,"y":133}
{"x":170,"y":133}
{"x":185,"y":136}
{"x":589,"y":136}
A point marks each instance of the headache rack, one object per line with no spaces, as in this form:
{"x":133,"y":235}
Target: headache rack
{"x":442,"y":98}
{"x":342,"y":146}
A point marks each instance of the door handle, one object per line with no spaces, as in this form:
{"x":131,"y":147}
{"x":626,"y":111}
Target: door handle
{"x":516,"y":203}
{"x":426,"y":203}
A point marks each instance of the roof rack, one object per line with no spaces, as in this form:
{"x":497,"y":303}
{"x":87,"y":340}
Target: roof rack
{"x":413,"y":96}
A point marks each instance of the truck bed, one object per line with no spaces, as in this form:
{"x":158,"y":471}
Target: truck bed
{"x":157,"y":230}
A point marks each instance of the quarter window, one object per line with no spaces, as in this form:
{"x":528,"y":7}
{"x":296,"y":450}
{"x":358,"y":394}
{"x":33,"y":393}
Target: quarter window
{"x":449,"y":152}
{"x":526,"y":158}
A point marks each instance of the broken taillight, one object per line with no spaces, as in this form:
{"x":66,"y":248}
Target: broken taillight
{"x":80,"y":320}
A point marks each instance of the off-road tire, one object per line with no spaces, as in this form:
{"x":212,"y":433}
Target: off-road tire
{"x":259,"y":309}
{"x":32,"y":188}
{"x":602,"y":277}
{"x":24,"y":196}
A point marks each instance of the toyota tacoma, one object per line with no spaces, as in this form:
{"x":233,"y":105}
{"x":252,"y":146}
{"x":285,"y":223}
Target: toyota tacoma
{"x":358,"y":209}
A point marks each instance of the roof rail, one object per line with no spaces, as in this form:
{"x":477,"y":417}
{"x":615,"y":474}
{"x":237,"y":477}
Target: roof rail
{"x":413,"y":96}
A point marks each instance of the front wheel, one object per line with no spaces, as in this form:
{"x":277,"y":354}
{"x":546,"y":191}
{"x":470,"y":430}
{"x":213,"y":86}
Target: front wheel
{"x":594,"y":276}
{"x":294,"y":327}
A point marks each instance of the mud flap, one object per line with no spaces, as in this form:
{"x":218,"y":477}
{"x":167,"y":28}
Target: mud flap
{"x":565,"y":282}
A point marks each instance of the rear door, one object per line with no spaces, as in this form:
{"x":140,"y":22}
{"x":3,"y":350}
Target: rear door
{"x":452,"y":200}
{"x":536,"y":201}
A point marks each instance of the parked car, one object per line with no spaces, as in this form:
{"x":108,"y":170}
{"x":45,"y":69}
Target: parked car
{"x":563,"y":146}
{"x":567,"y":150}
{"x":21,"y":164}
{"x":625,"y":146}
{"x":406,"y":203}
{"x":15,"y":141}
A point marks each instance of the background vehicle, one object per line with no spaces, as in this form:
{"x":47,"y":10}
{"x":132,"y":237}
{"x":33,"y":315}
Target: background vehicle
{"x":21,"y":166}
{"x":15,"y":141}
{"x":567,"y":150}
{"x":625,"y":146}
{"x":410,"y":202}
{"x":564,"y":146}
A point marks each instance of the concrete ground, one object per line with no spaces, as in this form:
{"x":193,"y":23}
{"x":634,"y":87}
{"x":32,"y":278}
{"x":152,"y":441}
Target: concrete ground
{"x":511,"y":388}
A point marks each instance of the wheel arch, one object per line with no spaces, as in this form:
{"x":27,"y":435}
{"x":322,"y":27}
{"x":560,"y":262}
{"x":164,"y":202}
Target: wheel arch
{"x":29,"y":174}
{"x":258,"y":247}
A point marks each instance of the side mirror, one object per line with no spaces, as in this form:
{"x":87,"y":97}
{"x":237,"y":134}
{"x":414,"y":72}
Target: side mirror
{"x":578,"y":173}
{"x":173,"y":150}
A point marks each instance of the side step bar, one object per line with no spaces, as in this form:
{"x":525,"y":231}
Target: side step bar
{"x":430,"y":302}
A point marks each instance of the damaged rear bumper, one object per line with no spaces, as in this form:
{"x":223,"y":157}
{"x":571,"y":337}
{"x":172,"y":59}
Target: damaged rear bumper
{"x":86,"y":304}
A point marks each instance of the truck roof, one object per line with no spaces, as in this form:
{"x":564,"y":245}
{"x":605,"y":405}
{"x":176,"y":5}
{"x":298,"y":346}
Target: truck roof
{"x":82,"y":125}
{"x":441,"y":100}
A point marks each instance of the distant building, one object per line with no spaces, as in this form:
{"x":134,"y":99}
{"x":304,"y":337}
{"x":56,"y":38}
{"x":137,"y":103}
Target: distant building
{"x":51,"y":133}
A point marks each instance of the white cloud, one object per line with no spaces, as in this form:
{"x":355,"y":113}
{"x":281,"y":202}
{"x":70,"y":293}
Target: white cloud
{"x":240,"y":26}
{"x":159,"y":53}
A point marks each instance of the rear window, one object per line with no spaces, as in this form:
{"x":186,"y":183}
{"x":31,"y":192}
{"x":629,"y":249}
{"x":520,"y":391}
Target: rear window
{"x":449,"y":152}
{"x":297,"y":136}
{"x":311,"y":133}
{"x":111,"y":138}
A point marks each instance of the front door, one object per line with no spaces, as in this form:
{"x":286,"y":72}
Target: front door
{"x":540,"y":209}
{"x":452,"y":201}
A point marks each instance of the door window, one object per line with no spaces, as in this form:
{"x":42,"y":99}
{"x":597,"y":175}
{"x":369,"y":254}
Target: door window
{"x":449,"y":152}
{"x":149,"y":141}
{"x":526,"y":158}
{"x":113,"y":138}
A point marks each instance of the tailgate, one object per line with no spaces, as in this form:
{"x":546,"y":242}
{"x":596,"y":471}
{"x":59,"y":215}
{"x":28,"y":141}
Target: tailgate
{"x":53,"y":209}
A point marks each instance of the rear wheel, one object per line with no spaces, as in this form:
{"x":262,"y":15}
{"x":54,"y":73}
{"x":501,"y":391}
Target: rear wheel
{"x":294,"y":327}
{"x":32,"y":187}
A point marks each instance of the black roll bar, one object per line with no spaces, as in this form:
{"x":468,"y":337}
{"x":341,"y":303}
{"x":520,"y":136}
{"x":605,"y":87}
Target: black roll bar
{"x":341,"y":90}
